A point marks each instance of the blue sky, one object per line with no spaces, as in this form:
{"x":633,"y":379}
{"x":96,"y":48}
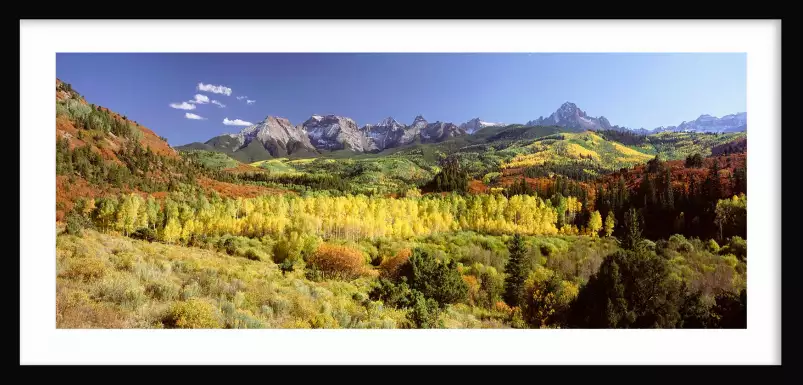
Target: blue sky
{"x":630,"y":89}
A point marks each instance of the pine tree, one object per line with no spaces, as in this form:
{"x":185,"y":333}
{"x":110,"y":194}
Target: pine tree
{"x":516,"y":271}
{"x":740,"y":180}
{"x":712,"y":183}
{"x":668,"y":191}
{"x":632,"y":234}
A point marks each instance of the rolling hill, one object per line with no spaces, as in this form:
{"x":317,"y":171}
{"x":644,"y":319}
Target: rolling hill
{"x":102,"y":153}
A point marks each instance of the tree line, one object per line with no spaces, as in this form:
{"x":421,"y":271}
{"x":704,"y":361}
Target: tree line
{"x":688,"y":208}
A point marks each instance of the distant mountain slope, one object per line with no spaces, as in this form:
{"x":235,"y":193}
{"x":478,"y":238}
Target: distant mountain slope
{"x":585,"y":148}
{"x":339,"y":135}
{"x":569,"y":116}
{"x":707,"y":123}
{"x":390,"y":133}
{"x":271,"y":138}
{"x":332,"y":132}
{"x":477,"y":124}
{"x":277,"y":137}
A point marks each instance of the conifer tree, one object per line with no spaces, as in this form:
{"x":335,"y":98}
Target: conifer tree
{"x":632,"y":234}
{"x":516,"y":271}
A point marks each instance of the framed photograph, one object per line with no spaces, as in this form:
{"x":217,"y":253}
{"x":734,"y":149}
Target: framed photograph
{"x":527,"y":192}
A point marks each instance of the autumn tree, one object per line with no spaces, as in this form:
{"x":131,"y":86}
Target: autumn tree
{"x":128,"y":214}
{"x":610,"y":223}
{"x":105,"y":212}
{"x":731,"y":216}
{"x":152,"y":211}
{"x":172,"y":231}
{"x":516,"y":271}
{"x":594,"y":223}
{"x":547,"y":299}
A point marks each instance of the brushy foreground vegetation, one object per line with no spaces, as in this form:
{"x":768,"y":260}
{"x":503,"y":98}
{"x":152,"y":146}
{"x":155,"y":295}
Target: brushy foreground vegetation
{"x":111,"y":281}
{"x":115,"y":282}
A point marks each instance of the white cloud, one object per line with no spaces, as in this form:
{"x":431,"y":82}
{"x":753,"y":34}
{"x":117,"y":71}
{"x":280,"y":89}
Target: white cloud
{"x":219,"y":104}
{"x":193,"y":116}
{"x":249,"y":101}
{"x":200,"y":99}
{"x":223,"y":90}
{"x":183,"y":106}
{"x":241,"y":97}
{"x":236,"y":122}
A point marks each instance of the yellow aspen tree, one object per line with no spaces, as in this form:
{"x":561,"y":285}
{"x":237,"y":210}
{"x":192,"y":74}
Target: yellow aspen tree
{"x":610,"y":222}
{"x":594,"y":223}
{"x":171,"y":231}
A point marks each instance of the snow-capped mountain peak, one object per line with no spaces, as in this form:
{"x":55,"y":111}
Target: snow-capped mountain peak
{"x":570,"y":116}
{"x":389,"y":122}
{"x":476,"y":124}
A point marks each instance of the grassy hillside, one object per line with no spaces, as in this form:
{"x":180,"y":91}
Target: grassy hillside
{"x":585,"y":148}
{"x":679,"y":145}
{"x":212,"y":159}
{"x":255,"y":151}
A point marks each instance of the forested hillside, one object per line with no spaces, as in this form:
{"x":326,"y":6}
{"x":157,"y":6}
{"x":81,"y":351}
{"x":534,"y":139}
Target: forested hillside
{"x":512,"y":226}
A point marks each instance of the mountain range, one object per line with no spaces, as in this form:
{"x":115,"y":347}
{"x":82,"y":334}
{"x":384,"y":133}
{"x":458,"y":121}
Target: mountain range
{"x":278,"y":137}
{"x":707,"y":123}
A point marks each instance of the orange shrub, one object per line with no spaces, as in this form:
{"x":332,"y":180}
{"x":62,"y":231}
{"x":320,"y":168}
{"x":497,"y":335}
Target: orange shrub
{"x":339,"y":262}
{"x":502,"y":307}
{"x":473,"y":289}
{"x":390,"y":267}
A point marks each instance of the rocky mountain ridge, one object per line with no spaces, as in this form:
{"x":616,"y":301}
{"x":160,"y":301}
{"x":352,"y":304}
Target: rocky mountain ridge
{"x":278,"y":137}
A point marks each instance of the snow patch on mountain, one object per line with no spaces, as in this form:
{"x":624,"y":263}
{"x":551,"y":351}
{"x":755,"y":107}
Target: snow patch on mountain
{"x":477,"y":124}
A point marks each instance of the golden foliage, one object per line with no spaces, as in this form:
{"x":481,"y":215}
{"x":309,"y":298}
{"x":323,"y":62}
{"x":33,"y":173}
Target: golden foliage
{"x":336,"y":261}
{"x":473,"y":289}
{"x":348,"y":217}
{"x":85,"y":269}
{"x":192,"y":314}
